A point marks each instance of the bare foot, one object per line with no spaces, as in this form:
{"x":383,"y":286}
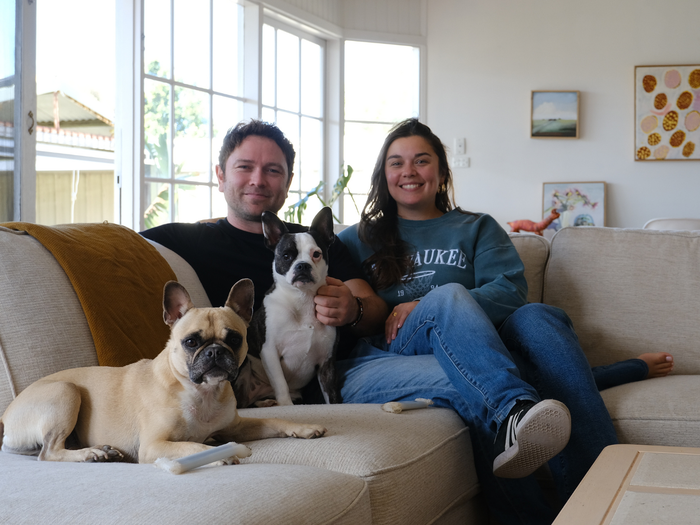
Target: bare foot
{"x":660,"y":364}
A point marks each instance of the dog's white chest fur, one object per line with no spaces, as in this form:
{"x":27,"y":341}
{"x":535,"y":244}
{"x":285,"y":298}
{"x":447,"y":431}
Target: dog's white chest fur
{"x":300,"y":340}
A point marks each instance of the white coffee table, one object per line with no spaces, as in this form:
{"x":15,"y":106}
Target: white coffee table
{"x":638,"y":485}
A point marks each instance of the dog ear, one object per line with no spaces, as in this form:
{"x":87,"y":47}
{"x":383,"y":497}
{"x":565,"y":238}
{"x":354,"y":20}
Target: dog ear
{"x":176,"y":302}
{"x":241,"y":299}
{"x":323,"y":224}
{"x":273,"y":228}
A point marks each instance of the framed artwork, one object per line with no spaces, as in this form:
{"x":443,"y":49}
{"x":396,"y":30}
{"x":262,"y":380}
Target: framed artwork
{"x":555,"y":115}
{"x":573,"y":204}
{"x":667,"y":112}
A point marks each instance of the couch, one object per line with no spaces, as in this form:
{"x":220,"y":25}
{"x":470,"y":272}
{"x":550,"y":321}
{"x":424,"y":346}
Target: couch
{"x":627,"y":292}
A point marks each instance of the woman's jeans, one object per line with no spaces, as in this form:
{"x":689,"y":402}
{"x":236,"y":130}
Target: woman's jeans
{"x":449,"y":351}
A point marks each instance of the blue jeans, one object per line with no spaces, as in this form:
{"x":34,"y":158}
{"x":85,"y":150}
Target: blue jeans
{"x":629,"y":371}
{"x":449,"y":351}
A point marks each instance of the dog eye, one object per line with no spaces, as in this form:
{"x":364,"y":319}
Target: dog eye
{"x":286,"y":257}
{"x":316,"y":255}
{"x":191,"y":342}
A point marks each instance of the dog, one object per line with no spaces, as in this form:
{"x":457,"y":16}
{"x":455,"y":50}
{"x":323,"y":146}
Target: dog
{"x":166,"y":407}
{"x":287,"y":344}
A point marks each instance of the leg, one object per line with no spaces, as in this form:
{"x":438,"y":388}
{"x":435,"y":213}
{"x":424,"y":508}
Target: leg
{"x":546,"y":349}
{"x":372,"y":375}
{"x":451,"y":325}
{"x":608,"y":376}
{"x":45,"y":414}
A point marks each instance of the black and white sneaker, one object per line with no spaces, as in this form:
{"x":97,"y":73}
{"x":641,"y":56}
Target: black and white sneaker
{"x":531,"y":435}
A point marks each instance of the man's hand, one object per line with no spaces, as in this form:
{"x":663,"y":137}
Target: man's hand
{"x":335,"y":303}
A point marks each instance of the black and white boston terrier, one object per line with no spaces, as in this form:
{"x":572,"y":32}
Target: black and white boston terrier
{"x":287,"y":344}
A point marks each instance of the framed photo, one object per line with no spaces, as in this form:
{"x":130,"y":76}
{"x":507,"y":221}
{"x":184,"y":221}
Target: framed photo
{"x":555,"y":115}
{"x":573,"y":204}
{"x":667,"y":112}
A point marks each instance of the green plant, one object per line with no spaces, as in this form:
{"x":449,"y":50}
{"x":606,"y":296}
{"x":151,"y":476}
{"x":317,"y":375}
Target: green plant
{"x":295,"y":212}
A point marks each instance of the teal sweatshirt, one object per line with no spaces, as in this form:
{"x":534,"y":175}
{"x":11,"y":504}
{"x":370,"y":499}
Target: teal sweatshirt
{"x":469,"y":249}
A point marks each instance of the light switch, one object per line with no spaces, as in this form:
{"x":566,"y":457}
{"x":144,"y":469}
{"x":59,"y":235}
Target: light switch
{"x":460,"y":146}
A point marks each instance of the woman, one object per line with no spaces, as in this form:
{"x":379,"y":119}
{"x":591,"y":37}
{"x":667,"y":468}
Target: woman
{"x":461,"y":333}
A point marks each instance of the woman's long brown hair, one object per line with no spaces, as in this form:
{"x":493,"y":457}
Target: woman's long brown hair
{"x":378,"y":226}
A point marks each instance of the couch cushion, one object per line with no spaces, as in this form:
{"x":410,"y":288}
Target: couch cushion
{"x":534,"y":252}
{"x":85,"y":493}
{"x":42,"y":326}
{"x":629,"y":292}
{"x":418,"y":464}
{"x":660,"y":411}
{"x":186,"y":275}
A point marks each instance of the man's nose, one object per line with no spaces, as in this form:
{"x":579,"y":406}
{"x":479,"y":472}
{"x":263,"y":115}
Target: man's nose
{"x":257,"y":177}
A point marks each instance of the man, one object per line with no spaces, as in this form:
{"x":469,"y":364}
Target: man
{"x":254,"y":174}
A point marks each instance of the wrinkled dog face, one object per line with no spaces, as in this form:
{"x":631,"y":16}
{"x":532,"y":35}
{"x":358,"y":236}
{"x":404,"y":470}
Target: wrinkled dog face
{"x":208,"y":345}
{"x":213,"y":346}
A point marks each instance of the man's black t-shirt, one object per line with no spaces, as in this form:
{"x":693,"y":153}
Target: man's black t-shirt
{"x":221,"y":255}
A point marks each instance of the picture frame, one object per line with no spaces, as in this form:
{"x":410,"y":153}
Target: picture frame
{"x":555,"y":114}
{"x":577,"y":203}
{"x":667,"y":113}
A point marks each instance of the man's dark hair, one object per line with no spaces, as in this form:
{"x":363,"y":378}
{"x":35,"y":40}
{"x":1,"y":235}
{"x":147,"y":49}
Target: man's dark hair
{"x":243,"y":130}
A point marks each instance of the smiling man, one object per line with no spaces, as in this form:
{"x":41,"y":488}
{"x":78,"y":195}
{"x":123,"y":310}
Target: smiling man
{"x":254,"y":172}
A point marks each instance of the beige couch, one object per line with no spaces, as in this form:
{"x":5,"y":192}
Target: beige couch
{"x":627,"y":291}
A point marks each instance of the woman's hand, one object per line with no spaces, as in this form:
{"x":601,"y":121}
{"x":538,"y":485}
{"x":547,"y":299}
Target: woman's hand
{"x":396,"y":319}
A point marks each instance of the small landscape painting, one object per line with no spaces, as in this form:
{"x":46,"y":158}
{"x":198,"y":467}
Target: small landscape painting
{"x":555,"y":114}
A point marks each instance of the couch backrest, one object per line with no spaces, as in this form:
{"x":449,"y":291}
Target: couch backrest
{"x":42,"y":325}
{"x":629,"y":292}
{"x":534,"y":252}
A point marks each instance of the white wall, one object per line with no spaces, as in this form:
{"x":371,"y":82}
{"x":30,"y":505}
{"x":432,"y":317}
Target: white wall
{"x":485,"y":57}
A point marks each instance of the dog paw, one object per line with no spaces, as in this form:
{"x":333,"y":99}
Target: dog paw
{"x":105,"y":454}
{"x":266,"y":403}
{"x":309,"y":432}
{"x":233,"y":460}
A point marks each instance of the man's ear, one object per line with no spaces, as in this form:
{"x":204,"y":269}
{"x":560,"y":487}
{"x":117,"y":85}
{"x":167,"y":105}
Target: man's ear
{"x":221,"y":176}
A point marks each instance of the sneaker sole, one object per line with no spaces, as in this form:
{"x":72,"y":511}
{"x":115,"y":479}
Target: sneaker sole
{"x":542,"y":434}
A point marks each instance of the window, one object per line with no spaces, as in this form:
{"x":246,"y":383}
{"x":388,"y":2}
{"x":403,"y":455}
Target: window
{"x":192,"y":90}
{"x":292,"y":97}
{"x":382,"y":87}
{"x":7,"y":106}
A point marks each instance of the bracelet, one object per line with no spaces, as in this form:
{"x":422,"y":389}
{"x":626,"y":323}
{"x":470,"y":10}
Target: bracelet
{"x":359,"y":316}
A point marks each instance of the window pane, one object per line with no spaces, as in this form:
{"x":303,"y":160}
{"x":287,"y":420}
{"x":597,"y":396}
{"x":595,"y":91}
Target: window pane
{"x":362,"y":144}
{"x":156,"y":123}
{"x":191,"y":146}
{"x":287,"y":71}
{"x":228,"y":47}
{"x":218,"y":203}
{"x":384,"y":99}
{"x":191,"y":203}
{"x":192,"y":59}
{"x":289,"y":124}
{"x":227,"y":113}
{"x":156,"y":50}
{"x":311,"y":83}
{"x":311,"y":155}
{"x":157,"y":195}
{"x":268,"y":115}
{"x":75,"y":111}
{"x":7,"y":106}
{"x":268,"y":66}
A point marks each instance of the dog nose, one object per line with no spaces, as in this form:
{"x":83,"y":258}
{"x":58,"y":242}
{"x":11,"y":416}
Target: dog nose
{"x":213,"y":351}
{"x":302,"y":267}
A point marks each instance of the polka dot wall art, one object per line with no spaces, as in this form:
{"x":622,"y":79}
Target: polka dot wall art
{"x":667,"y":112}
